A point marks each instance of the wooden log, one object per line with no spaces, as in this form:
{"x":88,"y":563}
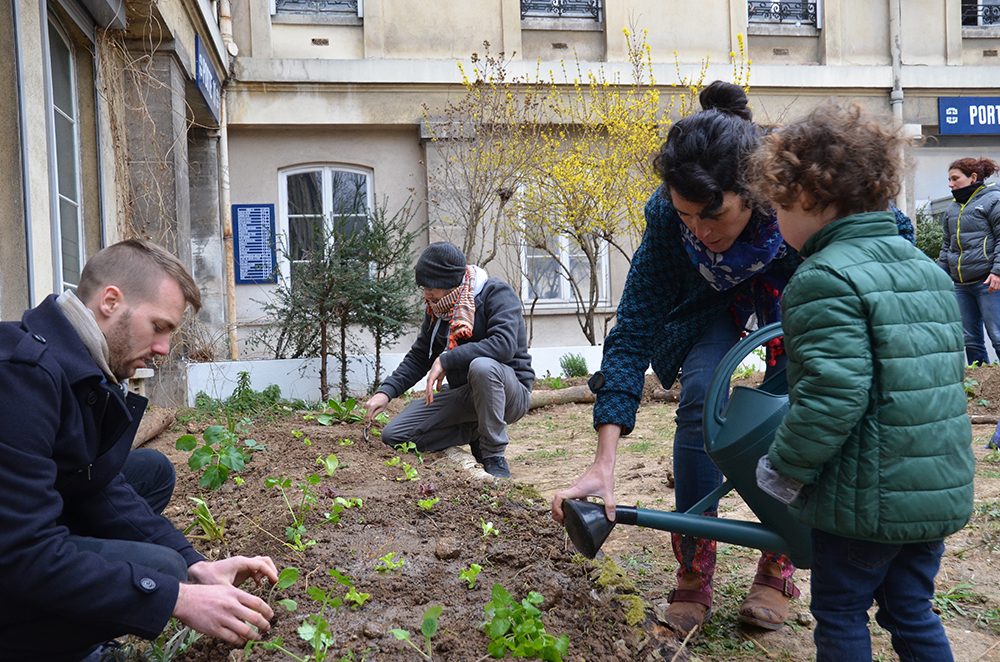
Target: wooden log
{"x":667,"y":395}
{"x":154,"y":422}
{"x":561,"y":396}
{"x":984,"y":419}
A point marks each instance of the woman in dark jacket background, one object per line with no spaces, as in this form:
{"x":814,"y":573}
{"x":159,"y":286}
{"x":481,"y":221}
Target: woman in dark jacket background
{"x":969,"y":252}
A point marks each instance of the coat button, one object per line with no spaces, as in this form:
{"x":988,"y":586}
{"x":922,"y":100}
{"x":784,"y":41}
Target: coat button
{"x":38,"y":338}
{"x":147,"y":584}
{"x":92,"y":398}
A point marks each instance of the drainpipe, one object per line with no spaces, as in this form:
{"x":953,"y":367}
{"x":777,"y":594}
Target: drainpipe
{"x":896,"y":96}
{"x":25,"y":184}
{"x":226,"y":28}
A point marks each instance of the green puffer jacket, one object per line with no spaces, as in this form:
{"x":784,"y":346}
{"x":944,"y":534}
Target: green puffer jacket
{"x":877,"y":426}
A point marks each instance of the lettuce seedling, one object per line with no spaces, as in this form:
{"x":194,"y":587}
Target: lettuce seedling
{"x":517,"y":628}
{"x":388,"y":563}
{"x":471,"y":574}
{"x":427,"y":504}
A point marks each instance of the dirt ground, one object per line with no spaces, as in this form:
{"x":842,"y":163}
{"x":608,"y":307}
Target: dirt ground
{"x":590,"y":602}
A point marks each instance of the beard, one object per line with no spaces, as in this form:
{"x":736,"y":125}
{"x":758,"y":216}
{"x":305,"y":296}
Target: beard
{"x":120,"y":348}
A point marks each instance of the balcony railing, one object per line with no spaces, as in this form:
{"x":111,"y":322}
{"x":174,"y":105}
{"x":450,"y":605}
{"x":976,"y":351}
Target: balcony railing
{"x":981,"y":14}
{"x":317,"y":6}
{"x":795,"y":13}
{"x":585,"y":9}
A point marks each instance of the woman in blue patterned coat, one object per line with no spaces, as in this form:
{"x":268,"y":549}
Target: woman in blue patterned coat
{"x":710,"y":262}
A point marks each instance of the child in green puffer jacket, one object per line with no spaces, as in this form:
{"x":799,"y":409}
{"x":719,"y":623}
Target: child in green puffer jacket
{"x":876,"y":443}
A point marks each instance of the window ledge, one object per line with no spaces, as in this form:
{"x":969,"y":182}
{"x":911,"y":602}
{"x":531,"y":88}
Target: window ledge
{"x":981,"y":32}
{"x":782,"y":30}
{"x":316,"y":19}
{"x":562,"y":24}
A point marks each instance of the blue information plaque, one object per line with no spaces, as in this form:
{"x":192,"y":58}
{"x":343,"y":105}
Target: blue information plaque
{"x":253,"y":244}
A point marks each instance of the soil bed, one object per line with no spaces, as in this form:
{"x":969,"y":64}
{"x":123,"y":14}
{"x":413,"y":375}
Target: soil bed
{"x":549,"y":449}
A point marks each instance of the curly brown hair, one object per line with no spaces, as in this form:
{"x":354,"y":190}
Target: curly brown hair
{"x":981,"y":167}
{"x":845,"y":158}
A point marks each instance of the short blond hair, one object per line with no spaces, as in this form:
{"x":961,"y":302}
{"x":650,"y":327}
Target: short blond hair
{"x":136,"y":267}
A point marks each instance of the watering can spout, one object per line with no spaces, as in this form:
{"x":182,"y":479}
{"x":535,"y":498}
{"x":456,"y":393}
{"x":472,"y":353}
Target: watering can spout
{"x":736,"y":437}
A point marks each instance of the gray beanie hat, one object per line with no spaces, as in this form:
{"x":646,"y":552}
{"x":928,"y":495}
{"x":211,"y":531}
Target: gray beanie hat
{"x":441,"y":266}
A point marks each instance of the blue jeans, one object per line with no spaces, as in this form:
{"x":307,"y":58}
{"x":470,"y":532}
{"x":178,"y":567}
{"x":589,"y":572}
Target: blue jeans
{"x":847,"y":575}
{"x":978,"y":307}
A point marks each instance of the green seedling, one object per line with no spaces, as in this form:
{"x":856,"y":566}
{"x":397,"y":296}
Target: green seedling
{"x":470,"y":574}
{"x":347,"y":411}
{"x":172,"y":642}
{"x":329,"y":464}
{"x":286,"y":578}
{"x":488,"y":528}
{"x":356,"y":599}
{"x":388,"y":563}
{"x":219,"y":455}
{"x":301,"y":435}
{"x":409,"y":473}
{"x":517,"y":628}
{"x":346,"y":442}
{"x":409,"y":447}
{"x":429,"y":628}
{"x":211,"y":530}
{"x":393,"y":462}
{"x":297,"y":529}
{"x":427,"y":504}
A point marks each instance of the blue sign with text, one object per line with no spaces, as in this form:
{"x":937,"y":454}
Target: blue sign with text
{"x":207,"y":80}
{"x":969,"y":115}
{"x":253,"y":244}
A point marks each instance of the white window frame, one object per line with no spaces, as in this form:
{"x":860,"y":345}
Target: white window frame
{"x":326,"y":188}
{"x":566,"y":298}
{"x":56,"y":193}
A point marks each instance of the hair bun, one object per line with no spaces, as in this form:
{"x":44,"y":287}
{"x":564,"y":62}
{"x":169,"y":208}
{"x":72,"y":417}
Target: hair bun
{"x":726,"y":98}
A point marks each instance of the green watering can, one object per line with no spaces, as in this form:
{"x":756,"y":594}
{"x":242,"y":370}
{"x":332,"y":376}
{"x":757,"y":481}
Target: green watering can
{"x":735,"y":439}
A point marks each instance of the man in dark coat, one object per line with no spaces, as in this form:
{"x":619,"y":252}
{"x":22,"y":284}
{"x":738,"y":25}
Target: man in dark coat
{"x":83,"y":557}
{"x":473,"y":334}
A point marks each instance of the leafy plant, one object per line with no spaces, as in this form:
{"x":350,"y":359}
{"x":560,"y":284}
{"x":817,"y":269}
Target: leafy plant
{"x":409,"y":447}
{"x":517,"y":628}
{"x":470,"y":574}
{"x":172,"y":642}
{"x":346,"y":442}
{"x":427,"y":504}
{"x":573,"y":365}
{"x":356,"y":599}
{"x":348,"y":411}
{"x":315,"y":629}
{"x":298,"y":434}
{"x":488,"y":528}
{"x":286,"y":578}
{"x":409,"y":473}
{"x":949,"y":603}
{"x":203,"y":518}
{"x":329,"y":464}
{"x":555,"y":383}
{"x":388,"y":563}
{"x":219,"y":455}
{"x":428,"y":628}
{"x":309,"y":499}
{"x":970,"y":385}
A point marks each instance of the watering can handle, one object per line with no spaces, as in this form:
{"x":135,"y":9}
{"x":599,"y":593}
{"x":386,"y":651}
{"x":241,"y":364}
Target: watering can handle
{"x":719,"y":386}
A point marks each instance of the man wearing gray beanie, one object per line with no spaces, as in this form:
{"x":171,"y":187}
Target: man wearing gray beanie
{"x":473,"y":335}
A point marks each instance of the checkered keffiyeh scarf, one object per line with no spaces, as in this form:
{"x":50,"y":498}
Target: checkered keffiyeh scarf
{"x":458,"y":307}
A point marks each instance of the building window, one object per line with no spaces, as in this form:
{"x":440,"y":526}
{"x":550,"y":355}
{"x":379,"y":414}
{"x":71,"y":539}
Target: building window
{"x":782,"y":13}
{"x":64,"y":135}
{"x":319,"y":198}
{"x":980,"y":12}
{"x":584,"y":9}
{"x":553,"y":272}
{"x":349,"y":7}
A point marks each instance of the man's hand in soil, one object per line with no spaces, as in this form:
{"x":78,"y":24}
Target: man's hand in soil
{"x":375,"y":406}
{"x":234,"y":571}
{"x":599,"y":480}
{"x":215,"y":606}
{"x":223,"y":611}
{"x":435,"y":380}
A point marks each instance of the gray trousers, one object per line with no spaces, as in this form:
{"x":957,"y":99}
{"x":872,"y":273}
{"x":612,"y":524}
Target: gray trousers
{"x":476,"y":411}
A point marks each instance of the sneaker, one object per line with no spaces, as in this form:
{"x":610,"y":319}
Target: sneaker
{"x":496,"y":466}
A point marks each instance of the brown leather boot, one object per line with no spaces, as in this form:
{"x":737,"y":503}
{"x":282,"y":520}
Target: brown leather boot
{"x":689,"y":605}
{"x":766,"y":604}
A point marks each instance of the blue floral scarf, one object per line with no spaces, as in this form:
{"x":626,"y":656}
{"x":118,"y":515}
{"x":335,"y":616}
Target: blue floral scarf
{"x":747,"y":259}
